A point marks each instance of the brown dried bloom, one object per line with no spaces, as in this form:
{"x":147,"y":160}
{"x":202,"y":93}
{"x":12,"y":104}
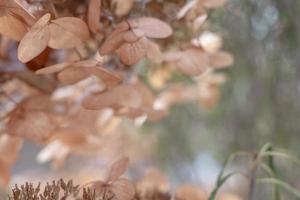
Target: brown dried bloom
{"x":130,"y":40}
{"x":58,"y":190}
{"x":114,"y":187}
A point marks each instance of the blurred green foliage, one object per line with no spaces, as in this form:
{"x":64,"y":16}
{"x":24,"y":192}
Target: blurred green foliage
{"x":260,"y":102}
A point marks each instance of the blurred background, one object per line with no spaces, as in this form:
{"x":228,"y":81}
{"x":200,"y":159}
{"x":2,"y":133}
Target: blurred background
{"x":260,"y":102}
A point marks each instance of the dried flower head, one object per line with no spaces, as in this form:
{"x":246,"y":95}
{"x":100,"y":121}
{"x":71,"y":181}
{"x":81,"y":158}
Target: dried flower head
{"x":114,"y":187}
{"x":57,"y":190}
{"x":66,"y":32}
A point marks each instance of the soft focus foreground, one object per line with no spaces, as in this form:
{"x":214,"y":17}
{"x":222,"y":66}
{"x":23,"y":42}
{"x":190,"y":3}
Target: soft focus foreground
{"x":93,"y":89}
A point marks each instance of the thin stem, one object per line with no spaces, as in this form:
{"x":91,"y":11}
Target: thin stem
{"x":252,"y":178}
{"x":256,"y":162}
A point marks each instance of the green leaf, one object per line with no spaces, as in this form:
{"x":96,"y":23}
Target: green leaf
{"x":220,"y":183}
{"x":282,"y":155}
{"x":267,"y":169}
{"x":271,"y":164}
{"x":222,"y":179}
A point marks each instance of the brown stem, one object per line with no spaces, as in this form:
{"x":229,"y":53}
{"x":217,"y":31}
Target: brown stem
{"x":253,"y":177}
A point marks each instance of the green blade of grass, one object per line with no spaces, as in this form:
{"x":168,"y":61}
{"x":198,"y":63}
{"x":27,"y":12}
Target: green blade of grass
{"x":221,"y":179}
{"x":267,"y":169}
{"x":271,"y":164}
{"x":220,"y":183}
{"x":282,"y":155}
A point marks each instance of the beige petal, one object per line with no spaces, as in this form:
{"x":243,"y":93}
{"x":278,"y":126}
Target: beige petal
{"x":210,"y":42}
{"x":98,"y":101}
{"x":33,"y":125}
{"x":54,"y":68}
{"x":132,"y":53}
{"x":115,"y":39}
{"x":70,"y":136}
{"x":152,"y":27}
{"x":120,"y":28}
{"x":123,"y":189}
{"x":67,"y":32}
{"x":55,"y":150}
{"x":74,"y":74}
{"x":132,"y":36}
{"x":4,"y":173}
{"x":35,"y":41}
{"x":156,"y":115}
{"x":211,"y":4}
{"x":122,"y":7}
{"x":146,"y":107}
{"x":86,"y":63}
{"x":121,"y":95}
{"x":172,"y":56}
{"x":130,"y":113}
{"x":117,"y":169}
{"x":11,"y":146}
{"x":186,"y":8}
{"x":153,"y":179}
{"x":126,"y":95}
{"x":209,"y":97}
{"x":146,"y":94}
{"x":21,"y":12}
{"x":12,"y":28}
{"x":221,"y":59}
{"x":190,"y":192}
{"x":98,"y":186}
{"x":109,"y":78}
{"x":94,"y":13}
{"x":153,"y":52}
{"x":193,"y":62}
{"x":111,"y":44}
{"x":199,"y":21}
{"x":38,"y":102}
